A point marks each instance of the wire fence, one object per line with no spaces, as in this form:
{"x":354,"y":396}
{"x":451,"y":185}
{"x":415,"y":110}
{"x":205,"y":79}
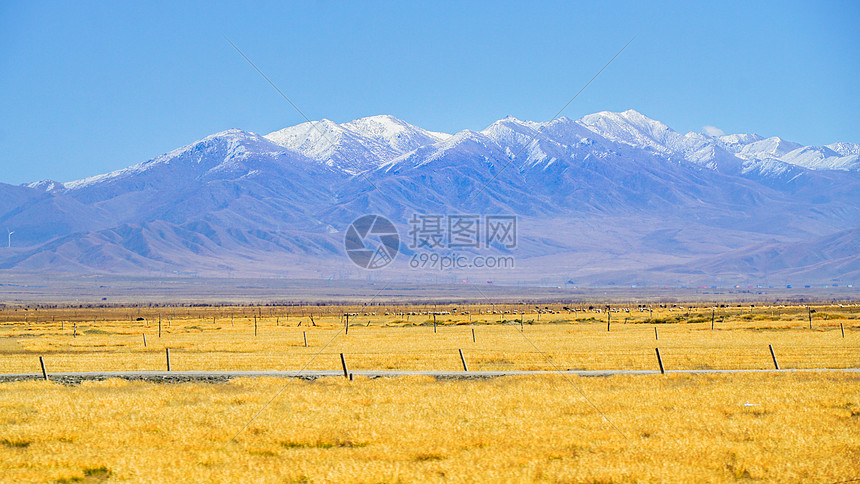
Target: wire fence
{"x":251,"y":340}
{"x":684,"y":357}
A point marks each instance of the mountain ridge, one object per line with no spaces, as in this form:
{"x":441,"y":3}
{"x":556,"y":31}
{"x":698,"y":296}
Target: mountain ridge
{"x":238,"y":199}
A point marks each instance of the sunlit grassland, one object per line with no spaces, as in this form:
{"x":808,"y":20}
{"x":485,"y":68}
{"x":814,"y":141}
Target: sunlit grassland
{"x":268,"y":338}
{"x":677,"y":428}
{"x":778,"y":427}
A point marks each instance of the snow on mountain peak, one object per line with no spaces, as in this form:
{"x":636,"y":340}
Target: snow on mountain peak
{"x":769,"y":147}
{"x":314,"y":139}
{"x":845,"y":149}
{"x":355,"y":146}
{"x":395,"y":133}
{"x":739,"y":139}
{"x":631,"y":127}
{"x":635,"y":129}
{"x":754,"y":148}
{"x":374,"y":141}
{"x":510,"y":130}
{"x":821,"y":158}
{"x":46,"y":185}
{"x":216,"y":148}
{"x":235,"y":197}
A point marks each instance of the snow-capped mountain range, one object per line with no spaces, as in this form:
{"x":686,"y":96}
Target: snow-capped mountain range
{"x":611,"y":198}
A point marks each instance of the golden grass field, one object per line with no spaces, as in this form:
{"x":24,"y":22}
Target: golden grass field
{"x":777,"y":427}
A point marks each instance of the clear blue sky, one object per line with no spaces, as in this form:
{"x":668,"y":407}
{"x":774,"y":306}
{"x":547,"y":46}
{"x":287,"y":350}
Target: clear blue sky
{"x":89,"y":87}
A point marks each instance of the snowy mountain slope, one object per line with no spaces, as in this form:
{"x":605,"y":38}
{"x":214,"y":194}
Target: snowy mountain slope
{"x":46,"y":185}
{"x":219,"y":151}
{"x":638,"y":130}
{"x":394,"y":133}
{"x":607,"y":193}
{"x":822,"y":158}
{"x":632,"y":128}
{"x":845,"y":149}
{"x":761,"y":149}
{"x":333,"y":145}
{"x":234,"y":177}
{"x":210,"y":175}
{"x":530,"y":144}
{"x":355,"y":146}
{"x":453,"y":174}
{"x":838,"y":156}
{"x":635,"y":129}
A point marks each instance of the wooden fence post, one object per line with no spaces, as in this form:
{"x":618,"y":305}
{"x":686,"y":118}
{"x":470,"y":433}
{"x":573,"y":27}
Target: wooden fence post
{"x":475,"y":341}
{"x":656,"y":337}
{"x":44,"y":372}
{"x":144,"y":340}
{"x":305,"y":336}
{"x":167,"y":353}
{"x":842,"y":328}
{"x":773,"y":355}
{"x":463,"y":359}
{"x":660,"y":361}
{"x":343,"y":362}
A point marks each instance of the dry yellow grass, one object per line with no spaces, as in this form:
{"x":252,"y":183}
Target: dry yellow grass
{"x":801,"y":428}
{"x":679,"y":428}
{"x":107,"y":340}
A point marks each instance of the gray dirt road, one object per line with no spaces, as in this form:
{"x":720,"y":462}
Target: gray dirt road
{"x":224,"y":376}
